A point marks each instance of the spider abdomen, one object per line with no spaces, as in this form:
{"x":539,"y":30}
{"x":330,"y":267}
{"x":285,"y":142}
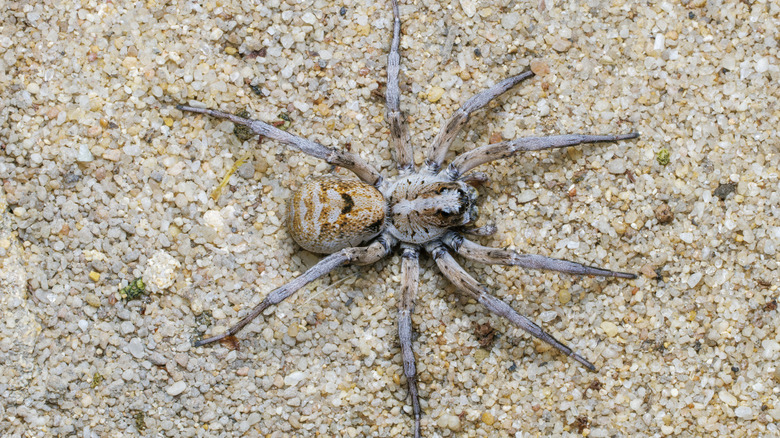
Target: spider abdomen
{"x":329,"y":213}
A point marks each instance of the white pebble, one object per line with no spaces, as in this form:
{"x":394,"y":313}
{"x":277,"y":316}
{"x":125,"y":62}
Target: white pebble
{"x":309,"y":18}
{"x":660,"y":42}
{"x":727,"y":398}
{"x":694,"y":279}
{"x":136,"y":348}
{"x":762,"y":65}
{"x":743,"y":412}
{"x":510,"y":20}
{"x":469,"y":7}
{"x":548,"y":316}
{"x":126,"y":328}
{"x":617,"y":167}
{"x":161,"y":270}
{"x":213,"y":219}
{"x":686,"y":237}
{"x":132,"y":149}
{"x":177,"y":388}
{"x":294,"y":378}
{"x":84,"y":155}
{"x":526,"y":196}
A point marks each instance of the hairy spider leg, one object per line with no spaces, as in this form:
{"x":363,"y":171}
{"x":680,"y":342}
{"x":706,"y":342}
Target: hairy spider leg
{"x":495,"y":256}
{"x":347,"y":160}
{"x":505,"y":149}
{"x":466,"y":283}
{"x":399,"y":130}
{"x":410,"y":275}
{"x":451,"y":129}
{"x":365,"y":255}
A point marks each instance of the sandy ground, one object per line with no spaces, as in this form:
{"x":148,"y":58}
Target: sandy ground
{"x":104,"y":181}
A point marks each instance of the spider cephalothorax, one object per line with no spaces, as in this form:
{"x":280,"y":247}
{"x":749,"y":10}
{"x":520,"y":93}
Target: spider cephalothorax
{"x":428,"y":208}
{"x":422,"y":207}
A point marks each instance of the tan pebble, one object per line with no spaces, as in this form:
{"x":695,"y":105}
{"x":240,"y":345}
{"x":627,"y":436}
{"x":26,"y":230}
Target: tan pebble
{"x":129,"y":62}
{"x":435,"y":93}
{"x":322,"y":109}
{"x":609,"y":328}
{"x":92,"y":300}
{"x":664,"y":214}
{"x":5,"y":243}
{"x":112,"y":155}
{"x":619,"y":226}
{"x":292,"y":330}
{"x":539,"y":67}
{"x":561,"y":45}
{"x":243,"y":371}
{"x":480,"y":355}
{"x":168,"y":121}
{"x":648,"y":271}
{"x":230,"y":50}
{"x":488,"y":418}
{"x":465,"y":75}
{"x":94,"y":276}
{"x":564,"y":296}
{"x":93,"y":131}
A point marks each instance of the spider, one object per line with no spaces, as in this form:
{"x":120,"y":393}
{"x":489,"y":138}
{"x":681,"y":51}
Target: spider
{"x":430,"y":208}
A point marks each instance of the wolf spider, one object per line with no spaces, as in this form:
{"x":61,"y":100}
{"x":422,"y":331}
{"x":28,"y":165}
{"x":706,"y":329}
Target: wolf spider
{"x":429,"y":208}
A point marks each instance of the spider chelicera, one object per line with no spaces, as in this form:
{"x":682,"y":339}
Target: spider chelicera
{"x":429,"y":208}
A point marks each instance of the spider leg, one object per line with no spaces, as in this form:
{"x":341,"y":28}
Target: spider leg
{"x":366,"y":255}
{"x":505,"y":149}
{"x":475,"y":178}
{"x":466,"y":283}
{"x":410,"y":274}
{"x":347,"y":160}
{"x":399,"y":130}
{"x":445,"y":137}
{"x":487,"y":230}
{"x":496,"y":256}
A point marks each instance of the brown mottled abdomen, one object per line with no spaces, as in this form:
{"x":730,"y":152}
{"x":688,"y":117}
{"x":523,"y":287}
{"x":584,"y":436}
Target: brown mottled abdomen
{"x":329,"y":213}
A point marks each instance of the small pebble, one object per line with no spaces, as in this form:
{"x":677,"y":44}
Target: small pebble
{"x":727,"y":398}
{"x":526,"y":196}
{"x":539,"y":67}
{"x":480,"y":354}
{"x":136,"y":348}
{"x":177,"y":388}
{"x":435,"y":93}
{"x":84,"y":155}
{"x":561,"y":45}
{"x":94,"y":276}
{"x":294,"y":378}
{"x":92,"y":299}
{"x":617,"y":166}
{"x":663,"y":213}
{"x":112,"y":155}
{"x":694,"y":279}
{"x":564,"y":296}
{"x":744,"y":412}
{"x":648,"y":271}
{"x":488,"y":418}
{"x":609,"y":328}
{"x":724,"y":190}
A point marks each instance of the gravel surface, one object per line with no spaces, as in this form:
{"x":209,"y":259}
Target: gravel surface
{"x":104,"y":181}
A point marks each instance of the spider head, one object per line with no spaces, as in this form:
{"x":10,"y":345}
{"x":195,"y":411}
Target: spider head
{"x":447,"y":204}
{"x":423,"y":207}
